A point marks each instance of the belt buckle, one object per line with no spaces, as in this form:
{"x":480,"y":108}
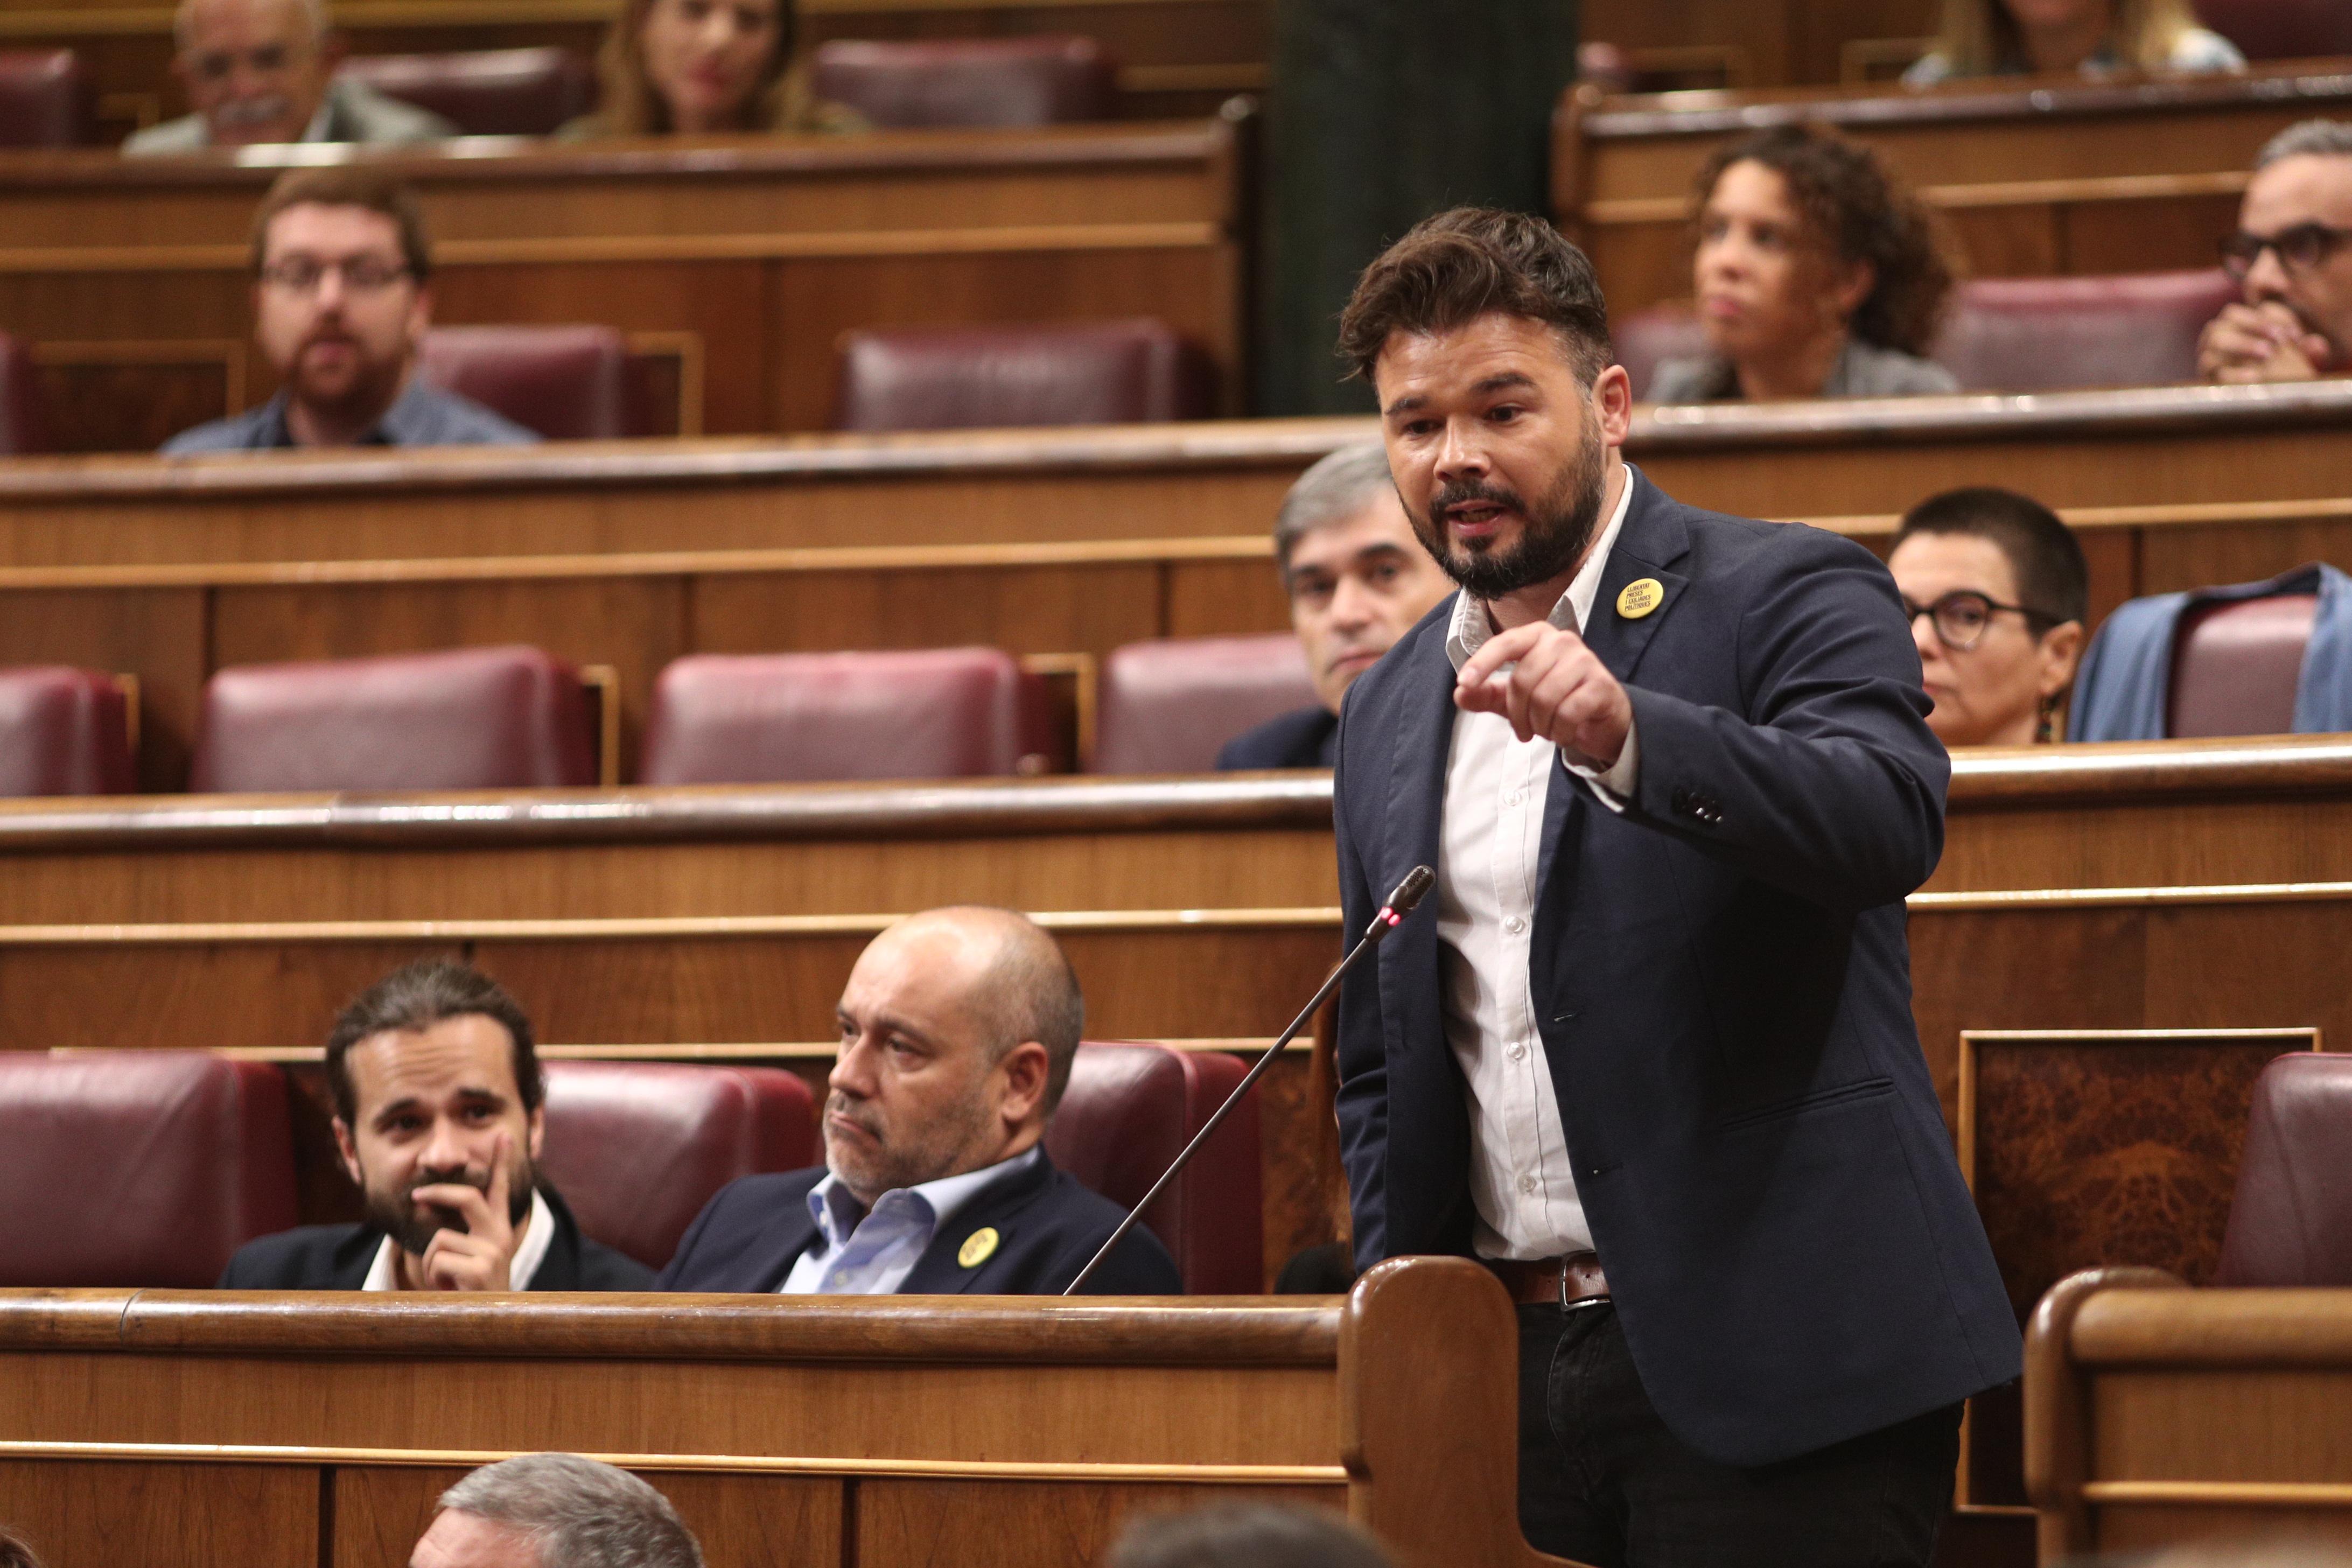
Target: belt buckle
{"x":1577,"y":1306}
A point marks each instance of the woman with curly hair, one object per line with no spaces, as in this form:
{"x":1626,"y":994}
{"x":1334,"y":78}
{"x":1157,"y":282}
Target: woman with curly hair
{"x":2093,"y":37}
{"x":698,"y":67}
{"x":1816,"y":276}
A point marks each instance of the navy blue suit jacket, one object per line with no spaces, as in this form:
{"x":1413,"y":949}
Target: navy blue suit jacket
{"x":1307,"y":738}
{"x":747,"y":1237}
{"x":338,"y":1258}
{"x":1722,"y":987}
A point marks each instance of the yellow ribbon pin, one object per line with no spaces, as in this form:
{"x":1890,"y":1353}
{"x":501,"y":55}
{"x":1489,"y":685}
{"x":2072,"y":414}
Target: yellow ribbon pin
{"x":978,"y":1248}
{"x":1640,"y":597}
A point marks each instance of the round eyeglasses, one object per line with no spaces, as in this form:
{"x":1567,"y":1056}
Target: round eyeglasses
{"x":1962,"y":617}
{"x":2300,"y":249}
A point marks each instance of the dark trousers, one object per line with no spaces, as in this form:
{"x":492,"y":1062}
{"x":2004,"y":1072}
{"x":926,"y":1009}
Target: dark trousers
{"x":1603,"y":1482}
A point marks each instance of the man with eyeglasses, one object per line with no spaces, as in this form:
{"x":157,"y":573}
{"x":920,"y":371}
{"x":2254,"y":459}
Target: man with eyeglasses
{"x":340,"y":304}
{"x":2291,"y":259}
{"x":264,"y":70}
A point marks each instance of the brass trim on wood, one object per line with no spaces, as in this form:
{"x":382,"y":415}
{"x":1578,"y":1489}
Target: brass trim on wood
{"x":2130,"y":898}
{"x":2220,"y":1494}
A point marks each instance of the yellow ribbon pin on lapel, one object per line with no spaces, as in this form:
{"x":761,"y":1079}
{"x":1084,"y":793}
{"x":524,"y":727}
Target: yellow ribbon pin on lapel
{"x":1641,"y":597}
{"x":978,"y":1248}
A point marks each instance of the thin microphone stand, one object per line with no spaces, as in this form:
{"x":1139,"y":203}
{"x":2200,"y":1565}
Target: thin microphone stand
{"x":1391,"y":915}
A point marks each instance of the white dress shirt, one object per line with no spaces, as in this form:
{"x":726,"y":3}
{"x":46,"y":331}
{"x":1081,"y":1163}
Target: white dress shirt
{"x":538,"y":1234}
{"x":870,"y":1252}
{"x":1490,"y":841}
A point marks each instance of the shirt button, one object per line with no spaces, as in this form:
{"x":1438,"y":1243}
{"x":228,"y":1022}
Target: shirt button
{"x":1517,"y":1051}
{"x":1515,"y":925}
{"x":1517,"y":797}
{"x":1528,"y":1185}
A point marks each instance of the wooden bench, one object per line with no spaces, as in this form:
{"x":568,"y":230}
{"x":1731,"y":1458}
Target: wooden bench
{"x":732,"y":263}
{"x":2036,"y":177}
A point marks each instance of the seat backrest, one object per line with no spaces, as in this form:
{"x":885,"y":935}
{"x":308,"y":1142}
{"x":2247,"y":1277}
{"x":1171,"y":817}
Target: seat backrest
{"x":2034,"y":334}
{"x":144,"y":1169}
{"x":23,"y":410}
{"x":2235,"y":666}
{"x":919,"y":713}
{"x":63,"y":731}
{"x":46,"y":100}
{"x":637,"y":1148}
{"x":1047,"y":373}
{"x":569,"y":383}
{"x":1043,"y":78}
{"x":2291,"y":1217}
{"x":2281,"y":29}
{"x":1129,"y":1108}
{"x":1643,"y":337}
{"x":1168,"y":707}
{"x":488,"y":718}
{"x":486,"y":92}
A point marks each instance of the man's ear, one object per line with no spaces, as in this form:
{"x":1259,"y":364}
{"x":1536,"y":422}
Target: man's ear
{"x":332,"y":49}
{"x":420,"y":318}
{"x":1612,"y":404}
{"x":1026,"y":1067}
{"x":349,"y":1150}
{"x":535,"y":1137}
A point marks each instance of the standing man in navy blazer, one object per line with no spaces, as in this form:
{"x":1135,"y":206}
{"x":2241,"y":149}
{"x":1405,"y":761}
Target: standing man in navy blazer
{"x":958,"y":1029}
{"x":1648,"y":1051}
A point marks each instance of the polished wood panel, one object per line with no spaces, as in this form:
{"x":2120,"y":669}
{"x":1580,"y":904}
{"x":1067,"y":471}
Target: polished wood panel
{"x":837,"y":1430}
{"x":93,"y":1514}
{"x":2052,"y":175}
{"x":746,"y":256}
{"x":2158,"y":1416}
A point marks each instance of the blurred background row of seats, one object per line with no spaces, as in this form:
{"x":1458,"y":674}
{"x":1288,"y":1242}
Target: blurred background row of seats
{"x":635,"y":1148}
{"x":579,"y":384}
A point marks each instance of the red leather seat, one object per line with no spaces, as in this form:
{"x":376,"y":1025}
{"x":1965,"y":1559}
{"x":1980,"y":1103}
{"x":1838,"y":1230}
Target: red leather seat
{"x":1130,"y":1108}
{"x":46,"y":100}
{"x":2035,"y":335}
{"x":1643,"y":337}
{"x":1168,"y":707}
{"x":143,"y":1169}
{"x":23,"y":413}
{"x":486,"y":92}
{"x":2281,"y":29}
{"x":1049,"y":372}
{"x":485,"y":718}
{"x":637,"y":1148}
{"x":925,"y":713}
{"x":2235,"y":666}
{"x":569,"y":383}
{"x":1045,"y":79}
{"x":2291,"y":1217}
{"x":63,"y":731}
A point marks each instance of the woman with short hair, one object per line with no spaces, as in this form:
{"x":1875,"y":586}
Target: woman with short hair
{"x":1816,"y":273}
{"x":702,"y":66}
{"x":2095,"y":37}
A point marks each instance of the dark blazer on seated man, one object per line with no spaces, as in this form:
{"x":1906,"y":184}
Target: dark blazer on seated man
{"x":1307,"y":739}
{"x":343,"y":1257}
{"x":1027,"y":1233}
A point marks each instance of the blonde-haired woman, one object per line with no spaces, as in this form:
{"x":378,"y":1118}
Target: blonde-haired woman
{"x":693,"y":67}
{"x":2041,"y":38}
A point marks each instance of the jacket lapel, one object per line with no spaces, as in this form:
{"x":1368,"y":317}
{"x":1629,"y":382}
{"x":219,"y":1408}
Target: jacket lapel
{"x":777,"y":1247}
{"x":938,"y":1272}
{"x":1425,"y":739}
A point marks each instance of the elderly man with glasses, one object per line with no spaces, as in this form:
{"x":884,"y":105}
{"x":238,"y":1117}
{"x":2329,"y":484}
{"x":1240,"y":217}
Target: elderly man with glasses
{"x":340,"y":303}
{"x":263,"y":71}
{"x":2289,"y":257}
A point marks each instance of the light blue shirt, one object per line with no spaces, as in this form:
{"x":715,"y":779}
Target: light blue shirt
{"x":870,"y":1252}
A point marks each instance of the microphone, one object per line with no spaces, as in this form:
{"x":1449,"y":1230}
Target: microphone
{"x":1409,"y":892}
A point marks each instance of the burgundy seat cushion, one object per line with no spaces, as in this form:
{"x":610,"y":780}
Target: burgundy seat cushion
{"x":23,"y":413}
{"x":46,"y":99}
{"x":1643,"y":337}
{"x":2235,"y":666}
{"x":63,"y":731}
{"x":928,"y":713}
{"x":2281,"y":29}
{"x":1129,"y":1108}
{"x":2034,"y":334}
{"x":489,"y":718}
{"x":486,"y":92}
{"x":1041,"y":80}
{"x":1168,"y":707}
{"x":1050,"y":373}
{"x":569,"y":383}
{"x":2290,"y":1218}
{"x":637,"y":1148}
{"x":139,"y":1168}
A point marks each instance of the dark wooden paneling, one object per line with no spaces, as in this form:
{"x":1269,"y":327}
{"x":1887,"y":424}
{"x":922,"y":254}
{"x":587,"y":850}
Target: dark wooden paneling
{"x":1016,"y":1525}
{"x":118,"y":1515}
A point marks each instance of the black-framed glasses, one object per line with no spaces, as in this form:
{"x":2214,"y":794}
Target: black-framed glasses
{"x":1962,"y":617}
{"x":361,"y":275}
{"x":2300,"y":248}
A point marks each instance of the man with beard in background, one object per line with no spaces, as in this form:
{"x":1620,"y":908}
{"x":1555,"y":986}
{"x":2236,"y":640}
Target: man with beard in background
{"x":958,"y":1029}
{"x":438,"y":1096}
{"x":340,"y":303}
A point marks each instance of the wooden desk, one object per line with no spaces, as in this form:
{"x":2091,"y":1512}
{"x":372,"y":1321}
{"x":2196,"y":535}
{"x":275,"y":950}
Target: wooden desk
{"x":263,"y":1431}
{"x":733,"y":263}
{"x":2036,"y":177}
{"x":2155,"y":1414}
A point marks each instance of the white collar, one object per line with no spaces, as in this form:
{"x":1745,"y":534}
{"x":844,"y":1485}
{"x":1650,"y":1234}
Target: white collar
{"x":1472,"y":624}
{"x":837,"y":1213}
{"x":539,"y":1234}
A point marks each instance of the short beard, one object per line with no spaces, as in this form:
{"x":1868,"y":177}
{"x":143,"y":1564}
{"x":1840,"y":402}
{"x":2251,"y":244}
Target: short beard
{"x":901,"y":1163}
{"x":1559,"y":527}
{"x":395,"y":1214}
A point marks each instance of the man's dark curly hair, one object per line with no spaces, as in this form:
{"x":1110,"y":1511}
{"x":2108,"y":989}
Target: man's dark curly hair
{"x":1860,"y":212}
